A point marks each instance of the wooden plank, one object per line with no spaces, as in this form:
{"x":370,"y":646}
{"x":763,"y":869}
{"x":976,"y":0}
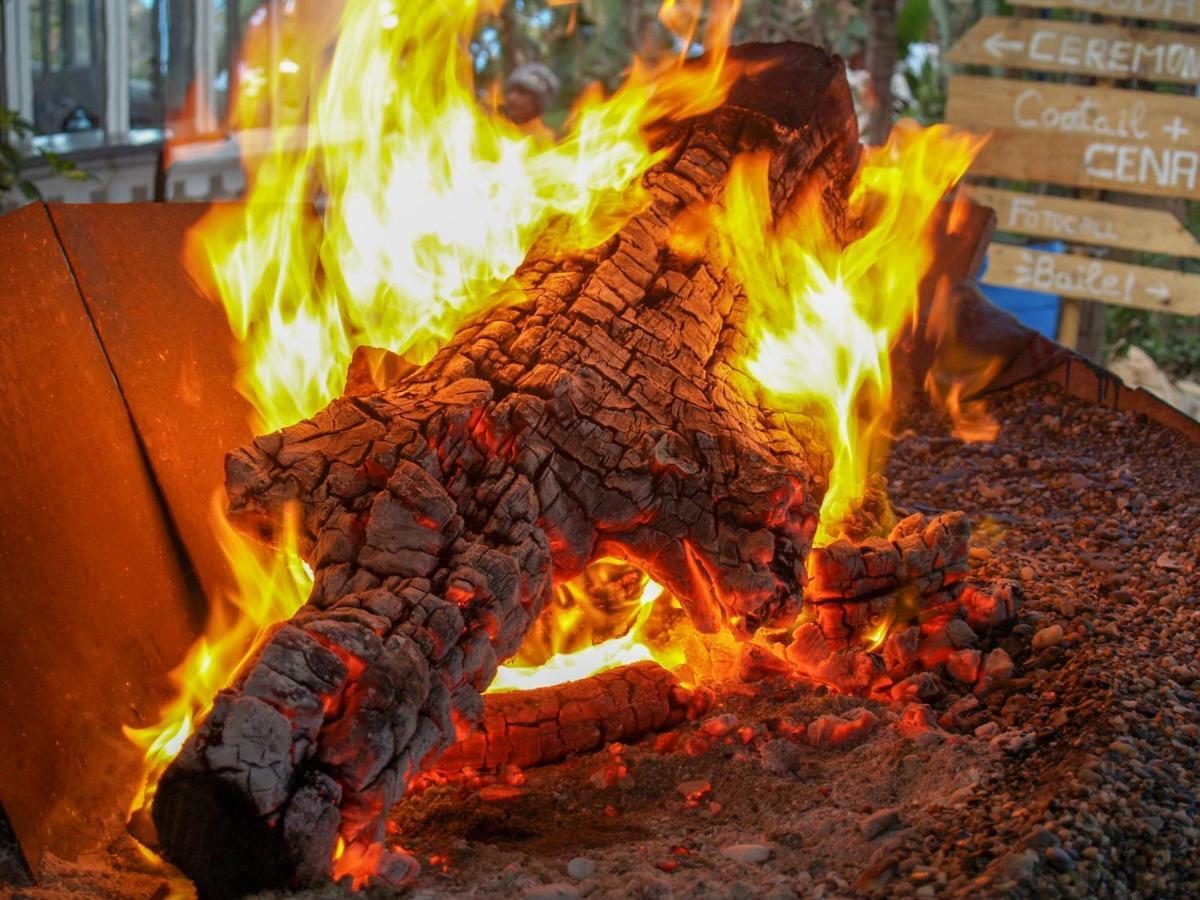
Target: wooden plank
{"x":94,"y":608}
{"x":1184,"y":12}
{"x":1085,"y":278}
{"x":1105,"y":51}
{"x":1100,"y":112}
{"x":1160,"y":170}
{"x":1088,"y":222}
{"x":172,"y":351}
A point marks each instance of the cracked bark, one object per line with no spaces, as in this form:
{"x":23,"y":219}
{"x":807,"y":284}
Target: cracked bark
{"x":595,"y":410}
{"x":546,"y":725}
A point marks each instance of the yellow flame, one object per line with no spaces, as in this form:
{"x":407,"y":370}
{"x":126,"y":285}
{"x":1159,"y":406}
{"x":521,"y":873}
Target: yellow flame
{"x":271,"y":584}
{"x":823,"y":314}
{"x":430,"y":200}
{"x":561,"y":668}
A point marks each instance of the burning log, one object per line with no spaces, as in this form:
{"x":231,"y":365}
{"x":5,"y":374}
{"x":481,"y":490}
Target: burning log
{"x":546,"y":725}
{"x":595,"y":410}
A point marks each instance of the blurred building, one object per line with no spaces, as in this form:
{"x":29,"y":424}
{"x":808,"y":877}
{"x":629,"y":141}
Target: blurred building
{"x":109,"y":83}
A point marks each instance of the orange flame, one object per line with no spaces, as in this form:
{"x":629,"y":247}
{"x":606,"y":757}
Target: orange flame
{"x":823,"y":315}
{"x":271,"y":584}
{"x":561,"y":666}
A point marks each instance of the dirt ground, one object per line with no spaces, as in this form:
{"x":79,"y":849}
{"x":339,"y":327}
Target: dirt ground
{"x":1075,"y":778}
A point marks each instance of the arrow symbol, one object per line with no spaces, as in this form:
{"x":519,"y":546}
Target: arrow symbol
{"x":997,"y":45}
{"x":1159,"y":292}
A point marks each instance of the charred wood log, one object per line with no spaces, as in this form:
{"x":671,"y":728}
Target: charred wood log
{"x":916,"y":572}
{"x":595,"y":410}
{"x":546,"y":725}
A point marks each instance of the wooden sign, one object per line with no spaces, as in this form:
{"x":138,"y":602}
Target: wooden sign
{"x":1098,"y":112}
{"x":1185,"y":12}
{"x":1085,"y":278}
{"x":1154,"y":169}
{"x":1087,"y":222}
{"x":1105,"y":51}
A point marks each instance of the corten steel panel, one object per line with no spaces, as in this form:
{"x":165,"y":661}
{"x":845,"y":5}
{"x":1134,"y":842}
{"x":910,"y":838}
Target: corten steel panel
{"x":172,"y":351}
{"x":94,"y":608}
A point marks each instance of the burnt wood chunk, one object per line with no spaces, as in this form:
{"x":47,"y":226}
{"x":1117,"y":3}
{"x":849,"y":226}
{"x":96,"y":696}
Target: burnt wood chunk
{"x":546,"y":725}
{"x":595,"y":410}
{"x":916,"y":572}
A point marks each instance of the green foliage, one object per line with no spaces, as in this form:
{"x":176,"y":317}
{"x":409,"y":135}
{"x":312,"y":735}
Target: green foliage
{"x":928,"y":88}
{"x":14,"y":134}
{"x":912,"y":24}
{"x":1171,"y":341}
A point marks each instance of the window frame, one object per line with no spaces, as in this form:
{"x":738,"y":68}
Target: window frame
{"x":17,"y":54}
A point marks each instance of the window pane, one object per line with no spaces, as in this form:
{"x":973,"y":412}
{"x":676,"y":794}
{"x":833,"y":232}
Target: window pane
{"x":161,"y":63}
{"x":67,"y":38}
{"x":147,"y":59}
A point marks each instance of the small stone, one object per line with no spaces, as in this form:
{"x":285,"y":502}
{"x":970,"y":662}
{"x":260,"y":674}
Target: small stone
{"x":1078,"y":482}
{"x":747,"y":853}
{"x":1050,"y":636}
{"x":719,"y":726}
{"x":836,"y":731}
{"x":879,"y":822}
{"x":1060,"y":859}
{"x":558,"y":890}
{"x":1018,"y":866}
{"x":964,"y":665}
{"x":580,"y":868}
{"x":782,"y":757}
{"x":694,"y":790}
{"x":1042,"y":839}
{"x":987,"y":730}
{"x":960,"y":634}
{"x":998,"y":665}
{"x":916,"y":719}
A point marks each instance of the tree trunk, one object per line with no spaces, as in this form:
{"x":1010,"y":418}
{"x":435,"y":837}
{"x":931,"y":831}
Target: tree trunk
{"x":881,"y":65}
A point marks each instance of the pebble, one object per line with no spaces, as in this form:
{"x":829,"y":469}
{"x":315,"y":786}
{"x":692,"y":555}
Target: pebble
{"x":555,"y":891}
{"x":987,"y":729}
{"x":719,"y":726}
{"x":782,"y":757}
{"x":1060,"y":859}
{"x":580,"y":868}
{"x":879,"y":823}
{"x":1050,"y":636}
{"x":747,"y":853}
{"x":694,"y":789}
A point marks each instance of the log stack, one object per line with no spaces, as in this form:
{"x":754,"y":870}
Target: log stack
{"x":595,"y":410}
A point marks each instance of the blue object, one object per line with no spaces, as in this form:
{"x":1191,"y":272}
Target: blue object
{"x":1032,"y":308}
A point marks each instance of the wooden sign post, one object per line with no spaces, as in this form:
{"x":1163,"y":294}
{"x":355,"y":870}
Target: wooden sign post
{"x":1097,"y":138}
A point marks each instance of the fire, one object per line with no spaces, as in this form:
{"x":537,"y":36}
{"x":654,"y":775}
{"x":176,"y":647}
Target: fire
{"x":824,"y":314}
{"x":528,"y":671}
{"x":271,"y":584}
{"x":430,"y":200}
{"x":387,"y":204}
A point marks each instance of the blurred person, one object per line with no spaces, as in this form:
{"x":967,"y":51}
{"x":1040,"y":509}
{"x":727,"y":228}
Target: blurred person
{"x":529,"y":91}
